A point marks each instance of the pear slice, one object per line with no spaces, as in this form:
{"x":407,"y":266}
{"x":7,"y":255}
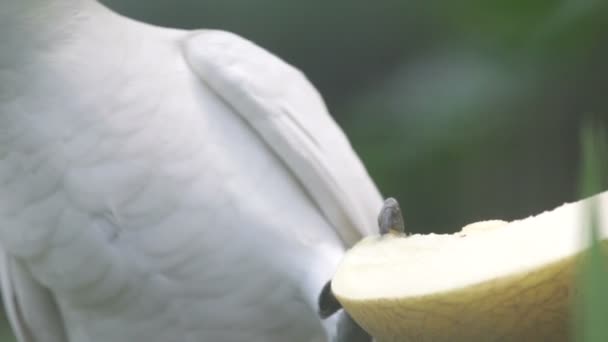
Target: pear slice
{"x":492,"y":281}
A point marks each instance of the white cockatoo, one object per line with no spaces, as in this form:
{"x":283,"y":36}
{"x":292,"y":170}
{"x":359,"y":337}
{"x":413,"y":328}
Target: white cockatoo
{"x":165,"y":185}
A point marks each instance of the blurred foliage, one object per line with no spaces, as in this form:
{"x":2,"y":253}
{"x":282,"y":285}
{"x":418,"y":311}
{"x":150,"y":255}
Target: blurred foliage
{"x":592,"y":299}
{"x":462,"y":110}
{"x":5,"y":332}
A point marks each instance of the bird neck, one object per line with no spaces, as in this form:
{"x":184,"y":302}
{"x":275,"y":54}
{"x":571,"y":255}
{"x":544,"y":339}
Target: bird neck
{"x":29,"y":27}
{"x":54,"y":55}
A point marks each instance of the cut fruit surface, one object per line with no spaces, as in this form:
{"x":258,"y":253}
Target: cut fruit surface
{"x":492,"y":281}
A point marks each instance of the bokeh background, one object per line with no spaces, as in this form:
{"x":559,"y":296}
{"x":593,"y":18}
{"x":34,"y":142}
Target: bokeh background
{"x":462,"y":110}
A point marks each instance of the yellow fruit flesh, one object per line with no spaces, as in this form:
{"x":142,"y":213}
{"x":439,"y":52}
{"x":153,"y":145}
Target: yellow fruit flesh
{"x":533,"y":306}
{"x":490,"y":282}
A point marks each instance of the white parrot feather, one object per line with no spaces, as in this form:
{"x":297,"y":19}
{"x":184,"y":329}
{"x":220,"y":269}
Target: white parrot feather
{"x":158,"y":184}
{"x":279,"y":102}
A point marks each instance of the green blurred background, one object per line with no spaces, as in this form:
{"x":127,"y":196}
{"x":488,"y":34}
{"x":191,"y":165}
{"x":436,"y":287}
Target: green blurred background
{"x":462,"y":110}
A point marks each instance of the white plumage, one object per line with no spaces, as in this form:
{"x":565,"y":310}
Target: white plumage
{"x":165,"y":185}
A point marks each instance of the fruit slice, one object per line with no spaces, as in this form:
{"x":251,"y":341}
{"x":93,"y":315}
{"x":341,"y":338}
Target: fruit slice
{"x":492,"y":281}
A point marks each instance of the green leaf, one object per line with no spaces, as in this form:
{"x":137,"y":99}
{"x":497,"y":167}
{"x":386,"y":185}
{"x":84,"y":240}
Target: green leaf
{"x":591,"y":316}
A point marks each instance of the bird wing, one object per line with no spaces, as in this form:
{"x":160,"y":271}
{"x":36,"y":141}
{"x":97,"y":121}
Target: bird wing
{"x":31,"y":309}
{"x":285,"y":109}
